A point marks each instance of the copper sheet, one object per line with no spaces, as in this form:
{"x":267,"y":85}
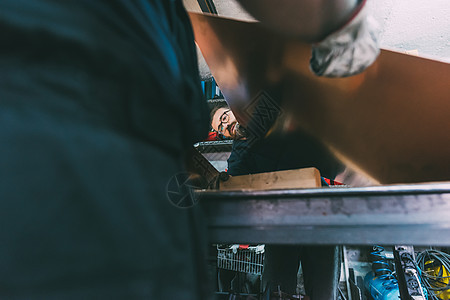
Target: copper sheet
{"x":392,"y":121}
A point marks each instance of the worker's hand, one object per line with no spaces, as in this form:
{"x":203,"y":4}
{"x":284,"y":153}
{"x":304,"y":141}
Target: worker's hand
{"x":350,"y":50}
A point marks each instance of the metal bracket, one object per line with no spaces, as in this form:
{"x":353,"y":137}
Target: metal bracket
{"x":407,"y":275}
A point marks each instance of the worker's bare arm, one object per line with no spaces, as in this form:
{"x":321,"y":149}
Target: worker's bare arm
{"x":310,"y":20}
{"x":344,"y":36}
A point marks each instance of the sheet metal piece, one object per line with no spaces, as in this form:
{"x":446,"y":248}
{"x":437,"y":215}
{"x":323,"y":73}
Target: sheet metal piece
{"x":202,"y":173}
{"x":399,"y":214}
{"x":391,"y":122}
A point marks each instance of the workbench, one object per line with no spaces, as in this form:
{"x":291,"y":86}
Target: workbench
{"x":413,"y":214}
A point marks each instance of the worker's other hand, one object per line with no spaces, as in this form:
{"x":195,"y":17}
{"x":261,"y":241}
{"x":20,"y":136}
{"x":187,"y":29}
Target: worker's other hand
{"x":350,"y":50}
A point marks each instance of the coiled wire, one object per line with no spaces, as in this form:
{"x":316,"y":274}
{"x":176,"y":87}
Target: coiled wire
{"x":435,"y":285}
{"x":382,"y":269}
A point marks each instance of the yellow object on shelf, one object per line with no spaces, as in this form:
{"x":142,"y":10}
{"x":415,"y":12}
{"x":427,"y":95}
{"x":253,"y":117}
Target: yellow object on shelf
{"x":436,"y":269}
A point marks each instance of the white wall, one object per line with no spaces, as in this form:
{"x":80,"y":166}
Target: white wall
{"x":414,"y":24}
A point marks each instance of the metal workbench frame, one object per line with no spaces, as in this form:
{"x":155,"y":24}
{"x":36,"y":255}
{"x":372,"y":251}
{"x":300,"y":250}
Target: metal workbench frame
{"x":414,"y":214}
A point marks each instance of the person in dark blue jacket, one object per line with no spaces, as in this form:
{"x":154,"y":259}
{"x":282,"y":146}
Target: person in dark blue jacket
{"x":98,"y":100}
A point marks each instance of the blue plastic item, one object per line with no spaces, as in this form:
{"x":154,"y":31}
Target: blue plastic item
{"x":381,"y":288}
{"x":381,"y":283}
